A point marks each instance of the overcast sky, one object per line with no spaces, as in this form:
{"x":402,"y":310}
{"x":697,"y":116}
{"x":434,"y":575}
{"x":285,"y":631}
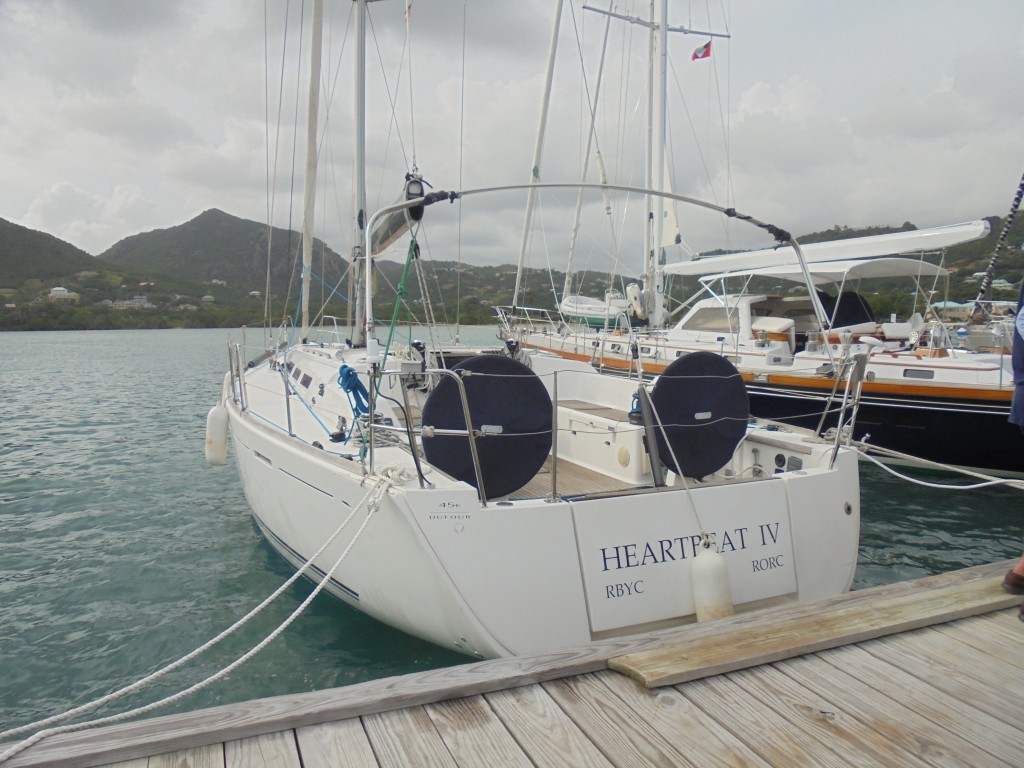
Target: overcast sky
{"x":123,"y":116}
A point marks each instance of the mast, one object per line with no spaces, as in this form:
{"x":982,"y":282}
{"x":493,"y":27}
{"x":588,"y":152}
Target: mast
{"x":538,"y":151}
{"x":654,"y":252}
{"x":567,"y":289}
{"x":359,"y":276}
{"x":311,"y":155}
{"x":655,"y":173}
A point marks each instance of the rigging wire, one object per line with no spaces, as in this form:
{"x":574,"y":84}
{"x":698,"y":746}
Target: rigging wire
{"x":412,"y":110}
{"x":272,"y":169}
{"x":393,"y":127}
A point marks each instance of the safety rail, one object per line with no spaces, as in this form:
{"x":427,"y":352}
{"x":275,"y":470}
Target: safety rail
{"x":849,"y":378}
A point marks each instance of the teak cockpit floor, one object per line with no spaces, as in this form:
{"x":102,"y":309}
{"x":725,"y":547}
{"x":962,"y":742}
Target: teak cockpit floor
{"x":572,"y":480}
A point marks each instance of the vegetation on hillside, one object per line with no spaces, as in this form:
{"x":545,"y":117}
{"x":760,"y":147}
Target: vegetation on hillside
{"x":212,"y":272}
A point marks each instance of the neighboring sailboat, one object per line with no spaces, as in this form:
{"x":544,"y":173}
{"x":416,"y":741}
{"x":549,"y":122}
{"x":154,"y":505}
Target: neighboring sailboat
{"x":506,"y":508}
{"x":923,"y":395}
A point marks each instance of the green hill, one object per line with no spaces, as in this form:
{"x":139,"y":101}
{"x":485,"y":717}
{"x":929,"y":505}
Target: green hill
{"x":217,"y":246}
{"x":27,"y":254}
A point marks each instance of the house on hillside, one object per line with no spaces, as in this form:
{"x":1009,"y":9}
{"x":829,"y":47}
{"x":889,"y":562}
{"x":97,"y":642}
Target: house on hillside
{"x":136,"y":302}
{"x":60,"y":295}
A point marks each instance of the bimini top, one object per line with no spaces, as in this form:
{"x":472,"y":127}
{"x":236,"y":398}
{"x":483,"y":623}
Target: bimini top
{"x":841,"y":271}
{"x":838,"y":250}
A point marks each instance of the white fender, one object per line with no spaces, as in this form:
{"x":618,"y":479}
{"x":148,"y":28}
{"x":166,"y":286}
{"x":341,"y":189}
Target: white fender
{"x":709,"y":579}
{"x":217,"y":435}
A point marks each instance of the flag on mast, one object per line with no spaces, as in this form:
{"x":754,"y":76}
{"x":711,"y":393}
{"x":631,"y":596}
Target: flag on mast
{"x":703,"y":52}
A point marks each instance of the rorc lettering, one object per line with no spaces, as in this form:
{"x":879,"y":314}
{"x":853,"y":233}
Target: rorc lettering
{"x":624,"y":589}
{"x":768,"y":563}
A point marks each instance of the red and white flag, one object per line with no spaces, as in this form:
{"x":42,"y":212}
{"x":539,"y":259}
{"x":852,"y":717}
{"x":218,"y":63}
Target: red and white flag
{"x":703,"y":52}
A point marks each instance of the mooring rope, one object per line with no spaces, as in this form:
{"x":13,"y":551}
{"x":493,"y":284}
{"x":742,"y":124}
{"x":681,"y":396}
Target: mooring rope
{"x":387,"y":477}
{"x":987,"y":481}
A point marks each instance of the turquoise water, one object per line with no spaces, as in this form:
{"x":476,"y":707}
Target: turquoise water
{"x":122,"y":550}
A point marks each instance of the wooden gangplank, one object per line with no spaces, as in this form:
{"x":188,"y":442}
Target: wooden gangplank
{"x":942,"y":694}
{"x":812,"y":630}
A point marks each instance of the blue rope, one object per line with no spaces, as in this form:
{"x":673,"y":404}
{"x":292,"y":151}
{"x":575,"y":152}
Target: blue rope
{"x":354,"y":389}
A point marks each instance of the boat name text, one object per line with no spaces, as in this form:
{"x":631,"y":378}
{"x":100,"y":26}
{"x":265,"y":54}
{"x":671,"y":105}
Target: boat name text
{"x":666,"y":550}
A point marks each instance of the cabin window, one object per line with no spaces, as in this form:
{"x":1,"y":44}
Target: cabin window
{"x":647,"y":350}
{"x":306,"y":380}
{"x":296,"y":373}
{"x":615,"y":347}
{"x":917,"y":373}
{"x":711,"y":319}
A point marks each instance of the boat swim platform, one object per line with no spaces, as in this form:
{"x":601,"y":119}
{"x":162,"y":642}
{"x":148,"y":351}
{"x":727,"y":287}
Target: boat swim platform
{"x":924,"y":672}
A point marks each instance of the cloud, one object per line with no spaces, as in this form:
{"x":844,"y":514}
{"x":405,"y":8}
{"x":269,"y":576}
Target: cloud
{"x":121,"y":116}
{"x":91,"y":222}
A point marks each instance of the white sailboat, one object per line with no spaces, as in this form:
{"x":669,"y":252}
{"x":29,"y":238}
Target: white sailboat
{"x":504,"y":508}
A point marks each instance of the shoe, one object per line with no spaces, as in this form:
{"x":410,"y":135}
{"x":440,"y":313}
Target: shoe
{"x":1013,"y":583}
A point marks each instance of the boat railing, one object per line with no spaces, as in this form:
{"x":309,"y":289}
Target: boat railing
{"x":410,"y":428}
{"x":529,"y":319}
{"x":850,"y":375}
{"x":331,"y":330}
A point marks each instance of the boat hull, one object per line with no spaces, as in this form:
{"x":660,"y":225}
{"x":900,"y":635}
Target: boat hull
{"x":959,"y":424}
{"x":549,"y":566}
{"x":962,"y":432}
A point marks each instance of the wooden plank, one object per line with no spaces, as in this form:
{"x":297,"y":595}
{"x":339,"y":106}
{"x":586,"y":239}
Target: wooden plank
{"x":961,"y":673}
{"x":987,"y":637}
{"x":270,"y":750}
{"x":332,"y":744}
{"x":233,"y":721}
{"x":891,"y":717}
{"x":406,"y":737}
{"x":547,"y":735}
{"x":954,"y":706}
{"x":788,"y":637}
{"x":475,"y":735}
{"x":703,"y":740}
{"x":621,"y":733}
{"x":1007,"y":622}
{"x":211,"y":756}
{"x":786,"y":707}
{"x":140,"y":762}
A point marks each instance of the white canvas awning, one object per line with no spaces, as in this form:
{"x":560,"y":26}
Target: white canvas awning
{"x":837,"y":250}
{"x":840,"y":271}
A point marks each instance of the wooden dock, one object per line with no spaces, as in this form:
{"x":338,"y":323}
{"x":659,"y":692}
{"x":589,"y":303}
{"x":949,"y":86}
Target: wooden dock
{"x":921,"y":673}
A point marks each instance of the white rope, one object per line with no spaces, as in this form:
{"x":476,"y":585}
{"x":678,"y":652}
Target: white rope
{"x":388,"y":477}
{"x":987,"y":483}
